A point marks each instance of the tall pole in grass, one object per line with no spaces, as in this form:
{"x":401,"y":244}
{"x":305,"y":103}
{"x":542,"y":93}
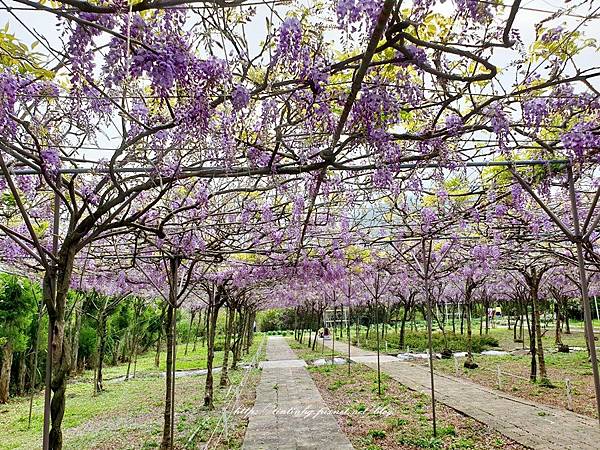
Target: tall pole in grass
{"x":377,"y":330}
{"x":348,"y":319}
{"x":334,"y":320}
{"x":426,"y":254}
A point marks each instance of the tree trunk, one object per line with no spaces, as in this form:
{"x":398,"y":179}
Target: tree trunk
{"x":226,"y":347}
{"x":205,"y":334}
{"x":238,"y":342}
{"x":187,"y":341}
{"x":55,"y":286}
{"x":7,"y":357}
{"x":308,"y":325}
{"x":403,"y":329}
{"x":75,"y":340}
{"x":532,"y":345}
{"x":296,"y":323}
{"x":212,"y":328}
{"x":557,"y":339}
{"x":469,"y":363}
{"x":61,"y":366}
{"x":250,"y":335}
{"x":453,"y":318}
{"x":166,"y":443}
{"x":101,"y":349}
{"x":487,"y":317}
{"x":22,"y":373}
{"x":197,"y":330}
{"x":538,"y":335}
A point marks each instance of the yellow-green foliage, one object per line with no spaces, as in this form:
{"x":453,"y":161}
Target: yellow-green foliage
{"x":19,"y":56}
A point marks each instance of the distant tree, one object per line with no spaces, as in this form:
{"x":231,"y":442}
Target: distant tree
{"x":17,"y":307}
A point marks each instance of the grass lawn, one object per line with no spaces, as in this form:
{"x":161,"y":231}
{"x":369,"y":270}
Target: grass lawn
{"x":400,"y":419}
{"x":129,"y":413}
{"x":515,"y":378}
{"x":515,"y":369}
{"x":306,"y":353}
{"x":145,"y":364}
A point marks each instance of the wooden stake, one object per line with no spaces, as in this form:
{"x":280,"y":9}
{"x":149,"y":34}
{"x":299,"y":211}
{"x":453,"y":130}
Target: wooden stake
{"x":569,"y":395}
{"x":499,"y":376}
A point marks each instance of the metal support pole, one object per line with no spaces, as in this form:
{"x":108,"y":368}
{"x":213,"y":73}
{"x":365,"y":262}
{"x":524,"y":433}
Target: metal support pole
{"x":47,"y":391}
{"x":333,"y":341}
{"x":377,"y":332}
{"x":348,"y":332}
{"x":429,"y":331}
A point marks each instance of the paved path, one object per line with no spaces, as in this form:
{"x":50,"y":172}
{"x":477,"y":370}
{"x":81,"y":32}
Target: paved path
{"x":289,"y":412}
{"x":531,"y":424}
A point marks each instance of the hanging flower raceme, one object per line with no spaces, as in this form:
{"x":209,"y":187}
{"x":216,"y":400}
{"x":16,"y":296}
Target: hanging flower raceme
{"x":374,"y":111}
{"x":240,"y":97}
{"x":50,"y":161}
{"x":289,"y":41}
{"x":454,"y":124}
{"x":80,"y":45}
{"x":8,"y":99}
{"x":474,"y":9}
{"x":500,"y":125}
{"x":581,"y":140}
{"x":534,"y":112}
{"x":411,"y":55}
{"x":428,"y":218}
{"x":354,"y":15}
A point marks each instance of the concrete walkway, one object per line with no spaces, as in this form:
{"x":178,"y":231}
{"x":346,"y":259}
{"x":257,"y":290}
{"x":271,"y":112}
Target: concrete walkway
{"x":289,"y":412}
{"x":530,"y":424}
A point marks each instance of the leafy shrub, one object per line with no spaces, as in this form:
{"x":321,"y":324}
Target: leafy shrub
{"x":417,"y":340}
{"x":219,"y":345}
{"x":376,"y":434}
{"x":276,"y":320}
{"x":87,"y":342}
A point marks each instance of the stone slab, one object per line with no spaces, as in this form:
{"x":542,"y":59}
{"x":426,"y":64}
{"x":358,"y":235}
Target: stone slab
{"x":289,"y":412}
{"x":373,"y":359}
{"x":282,"y":363}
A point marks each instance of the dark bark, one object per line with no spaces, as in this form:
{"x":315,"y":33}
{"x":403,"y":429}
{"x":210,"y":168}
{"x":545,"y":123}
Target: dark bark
{"x":197,"y":330}
{"x":453,"y":318}
{"x":538,"y":335}
{"x":166,"y":443}
{"x":533,"y":278}
{"x":470,"y":286}
{"x":101,"y":330}
{"x":159,"y":338}
{"x":55,"y":286}
{"x":240,"y":333}
{"x":557,"y":328}
{"x":532,"y":346}
{"x":213,"y":313}
{"x":7,"y":359}
{"x":60,"y":362}
{"x":187,"y":341}
{"x":22,"y":373}
{"x":403,"y":328}
{"x":250,"y":331}
{"x":224,"y":381}
{"x":75,"y":339}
